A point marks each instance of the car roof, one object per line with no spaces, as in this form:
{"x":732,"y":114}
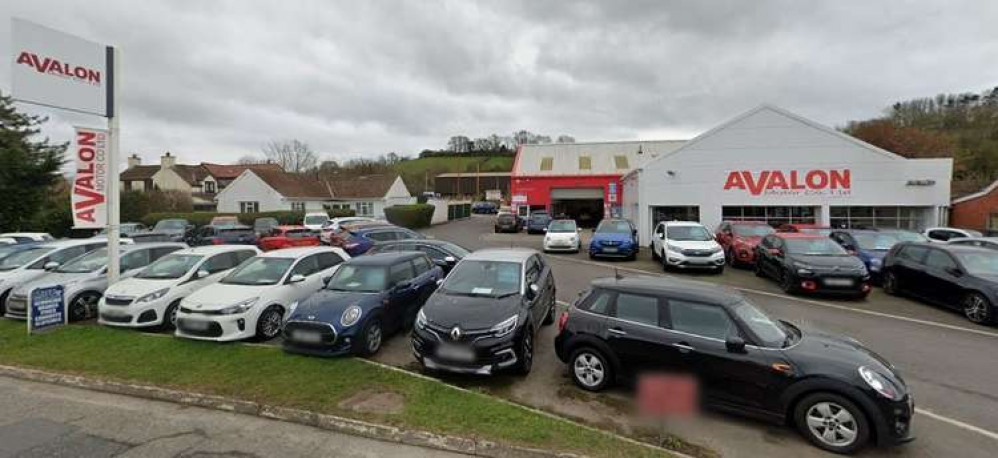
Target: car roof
{"x":955,"y":248}
{"x":297,"y":252}
{"x":563,"y":220}
{"x":501,"y":254}
{"x":291,"y":227}
{"x":974,"y":239}
{"x":691,"y":290}
{"x":419,"y":241}
{"x":681,"y":223}
{"x":798,"y":235}
{"x":384,"y":259}
{"x":375,"y":227}
{"x":208,"y":250}
{"x":151,"y":245}
{"x":229,"y":227}
{"x":72,"y":242}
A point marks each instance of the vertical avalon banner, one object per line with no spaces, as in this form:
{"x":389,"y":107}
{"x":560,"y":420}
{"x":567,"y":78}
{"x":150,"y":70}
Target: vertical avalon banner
{"x":90,"y":186}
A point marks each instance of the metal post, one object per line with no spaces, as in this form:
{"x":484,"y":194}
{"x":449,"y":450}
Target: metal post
{"x":114,"y":183}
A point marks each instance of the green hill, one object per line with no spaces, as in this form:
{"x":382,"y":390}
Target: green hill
{"x":418,"y":174}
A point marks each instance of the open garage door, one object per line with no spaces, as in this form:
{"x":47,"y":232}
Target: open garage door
{"x":584,"y":205}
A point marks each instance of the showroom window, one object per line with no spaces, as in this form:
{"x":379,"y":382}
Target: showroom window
{"x":888,"y":217}
{"x":677,"y":213}
{"x":775,"y":216}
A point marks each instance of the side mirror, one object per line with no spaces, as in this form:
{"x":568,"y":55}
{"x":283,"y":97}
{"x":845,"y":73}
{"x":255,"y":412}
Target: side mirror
{"x":325,"y":280}
{"x":735,"y":344}
{"x":51,"y":265}
{"x":955,"y":271}
{"x":296,"y":278}
{"x":661,"y":236}
{"x":533,"y":290}
{"x":202,"y":273}
{"x":440,"y":282}
{"x":450,"y":260}
{"x":776,"y":252}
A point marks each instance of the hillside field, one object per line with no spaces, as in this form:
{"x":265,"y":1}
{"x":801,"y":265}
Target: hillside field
{"x":418,"y":174}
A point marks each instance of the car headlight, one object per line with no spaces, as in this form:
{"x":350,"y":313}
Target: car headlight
{"x":505,"y":328}
{"x":876,"y":261}
{"x":421,"y":319}
{"x":350,"y":316}
{"x":153,"y":296}
{"x":239,"y":307}
{"x":880,"y":384}
{"x":672,"y":247}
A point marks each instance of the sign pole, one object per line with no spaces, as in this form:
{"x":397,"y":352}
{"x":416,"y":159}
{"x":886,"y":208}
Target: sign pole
{"x":113,"y":185}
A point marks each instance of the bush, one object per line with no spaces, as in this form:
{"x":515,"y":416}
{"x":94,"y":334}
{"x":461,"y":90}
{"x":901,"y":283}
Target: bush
{"x":203,"y":218}
{"x":412,"y":216}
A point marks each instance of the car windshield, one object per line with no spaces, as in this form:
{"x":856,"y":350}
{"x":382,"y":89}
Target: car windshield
{"x":298,"y":233}
{"x":540,"y":218}
{"x":770,"y":333}
{"x":22,"y":257}
{"x":259,"y":271}
{"x":613,"y":227}
{"x":908,"y":236}
{"x":815,"y":230}
{"x":8,"y":250}
{"x":978,"y":263}
{"x":316,"y":219}
{"x":359,"y":278}
{"x":171,"y":224}
{"x":752,"y":230}
{"x":455,"y":249}
{"x":562,"y":226}
{"x":235,"y":231}
{"x":170,"y":267}
{"x":483,"y":278}
{"x":89,"y":262}
{"x":688,"y":234}
{"x":876,"y":241}
{"x":814,"y":247}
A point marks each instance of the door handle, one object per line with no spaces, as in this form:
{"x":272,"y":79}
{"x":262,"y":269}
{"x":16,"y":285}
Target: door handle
{"x":683,"y":347}
{"x":617,"y":331}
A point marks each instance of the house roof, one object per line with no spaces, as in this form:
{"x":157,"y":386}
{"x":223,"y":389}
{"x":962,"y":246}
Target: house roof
{"x":294,"y":186}
{"x":987,"y":190}
{"x":230,"y":172}
{"x":368,"y":186}
{"x":139,"y":173}
{"x":192,"y":174}
{"x":599,"y":158}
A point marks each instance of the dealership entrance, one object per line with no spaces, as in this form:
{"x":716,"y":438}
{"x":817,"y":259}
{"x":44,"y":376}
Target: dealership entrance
{"x":584,"y":205}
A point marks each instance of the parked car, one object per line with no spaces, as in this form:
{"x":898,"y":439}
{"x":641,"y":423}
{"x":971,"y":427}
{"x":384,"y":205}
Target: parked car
{"x":442,"y":253}
{"x":127,"y":229}
{"x":368,"y":299}
{"x":983,"y":242}
{"x":811,"y":263}
{"x":614,"y":238}
{"x":27,"y":265}
{"x":333,"y":226}
{"x":805,"y":228}
{"x":907,"y":236}
{"x":287,"y":237}
{"x":264,"y":226}
{"x":562,"y":235}
{"x":485,"y":315}
{"x":958,"y":277}
{"x":314,"y":220}
{"x":152,"y":296}
{"x":224,"y":221}
{"x":839,"y":394}
{"x":253,"y":300}
{"x":9,"y":249}
{"x":507,"y":222}
{"x":870,"y":246}
{"x":84,"y":279}
{"x":484,"y":208}
{"x":686,"y":245}
{"x":945,"y":234}
{"x":538,"y":222}
{"x":223,"y":235}
{"x":357,"y":239}
{"x":23,"y":237}
{"x":739,"y":239}
{"x":177,"y":228}
{"x":7,"y":241}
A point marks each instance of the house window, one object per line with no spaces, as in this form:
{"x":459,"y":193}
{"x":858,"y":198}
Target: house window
{"x":249,"y":207}
{"x":209,"y":187}
{"x":297,"y":206}
{"x":547,"y":163}
{"x":620,"y":162}
{"x":364,"y":208}
{"x":585,"y":163}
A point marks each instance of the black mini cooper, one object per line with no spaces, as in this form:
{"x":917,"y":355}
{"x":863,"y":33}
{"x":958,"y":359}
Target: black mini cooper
{"x":838,"y":393}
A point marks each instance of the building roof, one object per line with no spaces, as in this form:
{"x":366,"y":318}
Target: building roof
{"x":984,"y":192}
{"x":598,"y":158}
{"x":473,"y":174}
{"x":230,"y":172}
{"x":139,"y":173}
{"x":192,"y":174}
{"x":368,"y":186}
{"x":294,"y":186}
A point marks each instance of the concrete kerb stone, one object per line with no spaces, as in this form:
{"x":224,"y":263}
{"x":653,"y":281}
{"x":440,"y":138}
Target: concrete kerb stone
{"x":334,"y":423}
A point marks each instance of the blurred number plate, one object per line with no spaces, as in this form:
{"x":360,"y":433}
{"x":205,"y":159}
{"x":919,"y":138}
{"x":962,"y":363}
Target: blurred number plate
{"x":196,"y":325}
{"x":838,"y":282}
{"x":306,"y":336}
{"x":609,"y":250}
{"x":455,"y":353}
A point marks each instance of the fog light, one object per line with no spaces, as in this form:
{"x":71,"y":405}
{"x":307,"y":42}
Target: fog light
{"x":241,"y":323}
{"x":866,"y":287}
{"x":809,"y":285}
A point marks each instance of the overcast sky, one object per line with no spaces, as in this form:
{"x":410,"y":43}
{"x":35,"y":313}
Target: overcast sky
{"x":213,"y":81}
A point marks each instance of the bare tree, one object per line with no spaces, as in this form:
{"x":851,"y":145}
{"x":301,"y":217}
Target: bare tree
{"x":566,"y":139}
{"x":249,"y":159}
{"x":293,"y":155}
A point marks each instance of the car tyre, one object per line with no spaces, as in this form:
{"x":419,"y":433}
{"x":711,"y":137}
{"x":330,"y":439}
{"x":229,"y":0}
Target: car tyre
{"x":83,"y":306}
{"x":590,"y":369}
{"x":3,"y":303}
{"x":832,"y":423}
{"x":269,"y":324}
{"x":654,"y":253}
{"x":787,"y":283}
{"x":170,"y":316}
{"x":977,"y":308}
{"x":549,"y":318}
{"x":592,"y":255}
{"x":758,"y":270}
{"x":890,"y":283}
{"x":719,"y":270}
{"x":525,"y":356}
{"x":372,"y":336}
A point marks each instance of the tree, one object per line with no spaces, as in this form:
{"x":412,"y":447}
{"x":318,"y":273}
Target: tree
{"x":566,"y":139}
{"x":292,"y":155}
{"x":459,"y":144}
{"x":249,"y":159}
{"x":29,"y":168}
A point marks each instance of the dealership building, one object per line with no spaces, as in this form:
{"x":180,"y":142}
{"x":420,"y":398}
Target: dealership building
{"x":774,"y":166}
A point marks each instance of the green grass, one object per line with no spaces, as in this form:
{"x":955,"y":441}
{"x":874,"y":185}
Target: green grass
{"x":267,"y":375}
{"x":417,"y":172}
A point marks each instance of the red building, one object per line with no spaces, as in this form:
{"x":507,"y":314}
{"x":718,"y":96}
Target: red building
{"x":578,"y":180}
{"x":978,"y":211}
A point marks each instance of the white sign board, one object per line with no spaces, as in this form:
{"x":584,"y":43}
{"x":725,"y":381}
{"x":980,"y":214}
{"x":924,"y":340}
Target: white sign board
{"x":59,"y":70}
{"x":90,"y":186}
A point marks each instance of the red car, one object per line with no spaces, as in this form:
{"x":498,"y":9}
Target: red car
{"x":805,"y":229}
{"x":288,"y":237}
{"x":739,"y":239}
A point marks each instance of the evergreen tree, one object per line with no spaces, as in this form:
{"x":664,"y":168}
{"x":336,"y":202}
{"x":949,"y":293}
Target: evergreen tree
{"x":29,"y":168}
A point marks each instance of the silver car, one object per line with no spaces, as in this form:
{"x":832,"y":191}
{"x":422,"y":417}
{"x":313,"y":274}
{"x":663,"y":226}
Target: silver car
{"x":35,"y":261}
{"x":84,"y":279}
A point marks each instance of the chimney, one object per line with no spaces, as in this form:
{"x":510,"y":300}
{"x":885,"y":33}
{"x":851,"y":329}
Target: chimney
{"x":166,"y":161}
{"x":134,"y":160}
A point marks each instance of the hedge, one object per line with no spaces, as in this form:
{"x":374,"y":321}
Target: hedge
{"x":203,"y":218}
{"x":412,"y":216}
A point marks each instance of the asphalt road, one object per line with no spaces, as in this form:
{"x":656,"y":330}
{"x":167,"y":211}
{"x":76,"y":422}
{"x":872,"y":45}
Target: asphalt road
{"x":949,"y":363}
{"x":43,"y":420}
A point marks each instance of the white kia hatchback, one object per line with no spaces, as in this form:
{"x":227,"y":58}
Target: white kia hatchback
{"x":152,"y":296}
{"x":253,"y":300}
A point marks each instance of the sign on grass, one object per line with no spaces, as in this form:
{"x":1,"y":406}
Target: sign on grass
{"x":47,"y":309}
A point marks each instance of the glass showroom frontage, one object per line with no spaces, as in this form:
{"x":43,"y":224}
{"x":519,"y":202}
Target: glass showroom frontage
{"x":775,"y":216}
{"x":856,"y":217}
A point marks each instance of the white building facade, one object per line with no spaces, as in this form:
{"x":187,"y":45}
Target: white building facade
{"x":774,"y":166}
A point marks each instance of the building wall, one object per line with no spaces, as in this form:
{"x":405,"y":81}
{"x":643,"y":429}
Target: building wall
{"x":537,"y":190}
{"x":248,"y":188}
{"x":466,"y":185}
{"x":975,"y":213}
{"x":167,"y":179}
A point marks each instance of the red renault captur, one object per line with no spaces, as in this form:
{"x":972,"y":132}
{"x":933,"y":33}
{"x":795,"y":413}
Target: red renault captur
{"x":739,"y":239}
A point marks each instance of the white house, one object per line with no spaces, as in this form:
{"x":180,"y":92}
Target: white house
{"x":268,"y":190}
{"x":774,"y":166}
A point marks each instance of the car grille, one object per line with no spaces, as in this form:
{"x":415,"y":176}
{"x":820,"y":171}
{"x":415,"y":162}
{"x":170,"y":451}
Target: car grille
{"x":116,"y":318}
{"x":697,"y":253}
{"x":199,"y":312}
{"x":609,"y":243}
{"x":467,"y":335}
{"x":213,"y":330}
{"x":325,"y":330}
{"x":119,"y":301}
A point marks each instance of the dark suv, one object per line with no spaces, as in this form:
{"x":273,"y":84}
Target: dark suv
{"x":838,"y":393}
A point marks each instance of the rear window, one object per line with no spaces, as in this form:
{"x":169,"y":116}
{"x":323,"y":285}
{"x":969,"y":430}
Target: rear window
{"x":912,"y":253}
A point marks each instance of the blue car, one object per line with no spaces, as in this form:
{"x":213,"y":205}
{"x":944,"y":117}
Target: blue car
{"x":367,"y":299}
{"x":614,"y":238}
{"x":361,"y":238}
{"x":538,"y":222}
{"x":871,"y":245}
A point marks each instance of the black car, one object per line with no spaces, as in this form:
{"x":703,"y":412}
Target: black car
{"x":484,"y":208}
{"x":508,"y":222}
{"x":485,"y":315}
{"x":538,"y":222}
{"x":222,"y":235}
{"x":953,"y":276}
{"x":838,"y":393}
{"x":811,"y":263}
{"x":368,"y":298}
{"x":442,"y":253}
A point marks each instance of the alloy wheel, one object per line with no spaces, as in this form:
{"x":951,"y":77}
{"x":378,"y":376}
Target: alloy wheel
{"x":832,"y":424}
{"x":890,"y":283}
{"x":83,"y":305}
{"x":528,"y":350}
{"x":589,"y":370}
{"x":373,"y":338}
{"x":271,"y":324}
{"x":977,"y":309}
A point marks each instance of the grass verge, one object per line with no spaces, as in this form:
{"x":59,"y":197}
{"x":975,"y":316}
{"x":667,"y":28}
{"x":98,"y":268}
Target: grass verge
{"x":266,"y":375}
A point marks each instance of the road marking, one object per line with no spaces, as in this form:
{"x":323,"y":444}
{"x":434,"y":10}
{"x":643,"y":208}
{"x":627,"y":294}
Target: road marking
{"x":957,"y":423}
{"x":798,"y":299}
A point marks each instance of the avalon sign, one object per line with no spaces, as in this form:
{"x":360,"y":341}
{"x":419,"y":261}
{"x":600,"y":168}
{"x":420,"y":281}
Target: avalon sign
{"x":792,"y":182}
{"x":90,"y":186}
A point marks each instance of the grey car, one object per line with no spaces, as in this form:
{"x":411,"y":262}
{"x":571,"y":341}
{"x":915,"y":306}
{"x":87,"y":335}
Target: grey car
{"x":84,"y":279}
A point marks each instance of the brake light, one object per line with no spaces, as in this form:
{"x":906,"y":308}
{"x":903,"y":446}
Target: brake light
{"x":217,"y":241}
{"x":562,"y":321}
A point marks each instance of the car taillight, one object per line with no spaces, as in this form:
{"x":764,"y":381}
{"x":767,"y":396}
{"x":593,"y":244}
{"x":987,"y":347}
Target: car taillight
{"x":562,"y":321}
{"x":217,"y":241}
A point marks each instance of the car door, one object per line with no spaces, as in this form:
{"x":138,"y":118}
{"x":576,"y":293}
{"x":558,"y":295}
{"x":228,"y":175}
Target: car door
{"x":658,"y":240}
{"x":402,"y":290}
{"x":635,"y":331}
{"x":328,"y":263}
{"x":908,"y":269}
{"x":307,"y":267}
{"x":941,"y":281}
{"x":532,"y":276}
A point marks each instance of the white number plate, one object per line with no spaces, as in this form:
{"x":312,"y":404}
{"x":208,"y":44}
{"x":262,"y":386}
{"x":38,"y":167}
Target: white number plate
{"x":838,"y":282}
{"x":455,"y":353}
{"x":196,"y":325}
{"x":306,"y":336}
{"x":609,"y":250}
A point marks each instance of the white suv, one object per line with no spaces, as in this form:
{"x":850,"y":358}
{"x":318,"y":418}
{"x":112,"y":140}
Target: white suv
{"x":686,"y":245}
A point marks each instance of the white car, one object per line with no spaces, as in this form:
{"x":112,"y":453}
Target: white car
{"x":562,"y":235}
{"x":333,"y":226}
{"x":29,"y":264}
{"x":22,"y":237}
{"x":253,"y":300}
{"x":7,"y":241}
{"x":946,"y":234}
{"x":84,"y":279}
{"x":315,"y":220}
{"x":686,"y":245}
{"x":152,"y":296}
